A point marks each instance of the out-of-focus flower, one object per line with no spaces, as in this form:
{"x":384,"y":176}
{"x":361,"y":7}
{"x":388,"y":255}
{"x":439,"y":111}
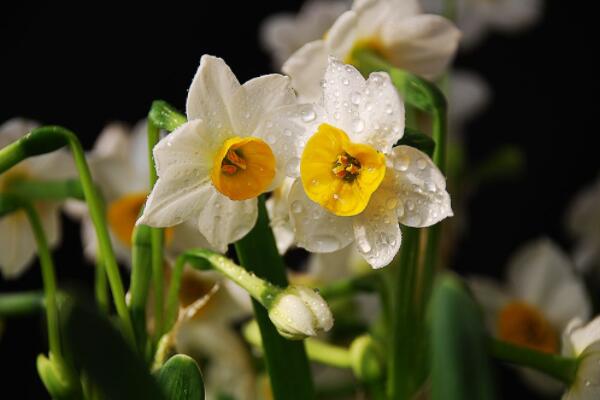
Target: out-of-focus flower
{"x":119,"y":165}
{"x":351,"y":183}
{"x":541,"y":296}
{"x":468,"y":95}
{"x":212,"y":168}
{"x":421,"y":43}
{"x":583,"y":342}
{"x":17,"y":242}
{"x":298,"y":312}
{"x":583,"y":222}
{"x":282,"y":34}
{"x":475,"y":18}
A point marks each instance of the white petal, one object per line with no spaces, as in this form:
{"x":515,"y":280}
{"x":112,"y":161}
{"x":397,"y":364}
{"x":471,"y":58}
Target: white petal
{"x":316,"y":229}
{"x":542,"y":275}
{"x":17,"y":245}
{"x":112,"y":141}
{"x":223,"y":221}
{"x":376,"y":231}
{"x":57,"y":165}
{"x":382,"y":110}
{"x":420,"y":187}
{"x":581,"y":336}
{"x":14,"y":129}
{"x":211,"y":92}
{"x":375,"y":14}
{"x":277,"y":207}
{"x":49,"y":214}
{"x":341,"y":37}
{"x":512,"y":15}
{"x":423,"y":44}
{"x":490,"y":296}
{"x":186,"y":236}
{"x":306,"y":67}
{"x":325,"y":268}
{"x":258,"y":97}
{"x":469,"y":95}
{"x":138,"y":144}
{"x":587,"y":379}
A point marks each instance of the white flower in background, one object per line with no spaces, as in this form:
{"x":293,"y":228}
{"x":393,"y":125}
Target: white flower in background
{"x":583,"y":222}
{"x":204,"y":331}
{"x":421,"y":43}
{"x":351,"y":183}
{"x":475,"y":18}
{"x":17,"y":242}
{"x":120,"y":168}
{"x":282,"y":34}
{"x":541,"y":296}
{"x":468,"y":95}
{"x":583,"y":342}
{"x":212,"y":168}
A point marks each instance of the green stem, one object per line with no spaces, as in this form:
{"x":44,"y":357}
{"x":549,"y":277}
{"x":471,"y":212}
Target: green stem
{"x":49,"y":138}
{"x":157,"y":240}
{"x":23,"y":303}
{"x":368,"y":282}
{"x":141,"y":273}
{"x":47,"y":190}
{"x":101,"y":286}
{"x":286,"y":361}
{"x":557,"y":366}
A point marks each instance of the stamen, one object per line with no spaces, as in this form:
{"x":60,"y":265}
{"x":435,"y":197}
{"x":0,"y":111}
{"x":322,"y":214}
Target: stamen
{"x":346,"y":167}
{"x":232,"y":163}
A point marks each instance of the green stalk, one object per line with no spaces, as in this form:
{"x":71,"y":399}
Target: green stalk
{"x":22,"y":303}
{"x":286,"y":361}
{"x":49,"y":138}
{"x":555,"y":365}
{"x":368,"y":282}
{"x":47,"y":190}
{"x":101,"y":286}
{"x":141,"y":273}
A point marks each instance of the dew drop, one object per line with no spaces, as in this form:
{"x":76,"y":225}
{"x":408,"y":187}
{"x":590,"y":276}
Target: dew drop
{"x":287,"y":132}
{"x":308,"y":116}
{"x":421,"y":163}
{"x":269,"y":124}
{"x":364,"y":245}
{"x":326,"y":243}
{"x":336,"y":196}
{"x":359,"y":125}
{"x":402,"y":163}
{"x":391,"y":203}
{"x":355,"y":98}
{"x":314,"y":182}
{"x":297,"y":207}
{"x":336,"y":115}
{"x":292,"y":165}
{"x":410,"y":205}
{"x":389,"y":110}
{"x":346,"y":82}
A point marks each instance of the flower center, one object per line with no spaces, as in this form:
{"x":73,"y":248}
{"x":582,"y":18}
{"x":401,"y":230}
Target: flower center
{"x":524,"y":325}
{"x":373,"y":43}
{"x":124,"y":212}
{"x":243,"y":168}
{"x":340,"y":175}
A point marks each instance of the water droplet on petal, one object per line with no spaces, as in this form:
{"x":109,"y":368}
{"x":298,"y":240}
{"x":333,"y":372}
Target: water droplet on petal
{"x":308,"y":116}
{"x":292,"y":166}
{"x":402,"y":163}
{"x":421,"y":163}
{"x":287,"y":132}
{"x":359,"y":125}
{"x":336,"y":115}
{"x":297,"y":207}
{"x":355,"y":98}
{"x":326,"y":243}
{"x":391,"y":203}
{"x":346,"y":82}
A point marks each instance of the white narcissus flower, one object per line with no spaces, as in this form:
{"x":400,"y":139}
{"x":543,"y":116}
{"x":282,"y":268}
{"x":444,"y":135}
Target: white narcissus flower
{"x":475,"y":18}
{"x":282,"y":34}
{"x":120,"y":168}
{"x":583,"y":342}
{"x":212,"y":168}
{"x":468,"y":95}
{"x":583,"y":222}
{"x":541,"y":296}
{"x":351,"y":183}
{"x":423,"y":44}
{"x":17,"y":241}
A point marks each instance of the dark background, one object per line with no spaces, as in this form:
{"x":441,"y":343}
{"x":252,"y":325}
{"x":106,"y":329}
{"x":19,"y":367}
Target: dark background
{"x":83,"y":66}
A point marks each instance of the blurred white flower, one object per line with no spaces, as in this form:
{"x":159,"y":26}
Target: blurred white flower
{"x":351,"y":183}
{"x":541,"y":296}
{"x":475,"y":18}
{"x":17,"y":242}
{"x":212,"y":168}
{"x":282,"y":34}
{"x":421,"y":43}
{"x":468,"y":95}
{"x":583,"y":342}
{"x":583,"y":222}
{"x":119,"y":166}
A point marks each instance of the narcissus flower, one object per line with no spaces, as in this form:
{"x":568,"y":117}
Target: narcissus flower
{"x":542,"y":295}
{"x":282,"y":34}
{"x":583,"y":342}
{"x":352,"y":184}
{"x":17,"y":242}
{"x":212,"y":168}
{"x":420,"y":43}
{"x":119,"y":165}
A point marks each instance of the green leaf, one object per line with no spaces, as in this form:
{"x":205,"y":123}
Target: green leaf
{"x":418,"y":140}
{"x":460,"y":367}
{"x":57,"y":380}
{"x":101,"y":352}
{"x":181,"y":379}
{"x":165,"y":116}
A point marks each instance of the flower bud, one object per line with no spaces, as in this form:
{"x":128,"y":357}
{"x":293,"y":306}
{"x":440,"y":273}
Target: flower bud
{"x":299,"y":312}
{"x":367,"y":360}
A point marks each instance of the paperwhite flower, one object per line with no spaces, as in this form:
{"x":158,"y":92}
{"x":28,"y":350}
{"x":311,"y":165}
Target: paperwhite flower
{"x":583,"y":342}
{"x":282,"y":34}
{"x":475,"y":18}
{"x":351,"y":183}
{"x":468,"y":95}
{"x":583,"y":222}
{"x":212,"y":168}
{"x":421,"y":43}
{"x":119,"y":165}
{"x":541,"y":296}
{"x":17,"y":242}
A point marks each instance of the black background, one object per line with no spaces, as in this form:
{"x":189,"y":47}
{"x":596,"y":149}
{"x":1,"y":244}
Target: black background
{"x":84,"y":65}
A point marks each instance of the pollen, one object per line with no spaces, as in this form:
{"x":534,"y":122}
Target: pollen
{"x":340,"y":175}
{"x":522,"y":324}
{"x":243,"y":168}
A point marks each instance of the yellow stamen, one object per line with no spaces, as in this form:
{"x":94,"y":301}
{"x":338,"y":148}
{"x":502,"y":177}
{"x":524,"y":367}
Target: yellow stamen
{"x":524,"y":325}
{"x":338,"y":174}
{"x":243,"y":168}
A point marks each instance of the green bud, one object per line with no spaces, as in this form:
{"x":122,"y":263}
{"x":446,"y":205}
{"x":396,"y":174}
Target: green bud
{"x":367,"y":360}
{"x":165,"y":116}
{"x":56,"y":378}
{"x":181,"y":379}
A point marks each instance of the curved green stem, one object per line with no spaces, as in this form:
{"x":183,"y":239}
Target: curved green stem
{"x":49,"y":138}
{"x":557,"y":366}
{"x":47,"y":190}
